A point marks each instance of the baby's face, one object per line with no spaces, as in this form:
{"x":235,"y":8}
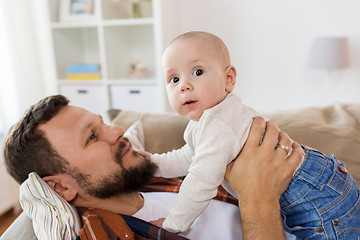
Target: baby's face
{"x":195,"y":76}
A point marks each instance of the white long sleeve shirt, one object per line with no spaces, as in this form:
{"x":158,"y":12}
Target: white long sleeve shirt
{"x":219,"y":221}
{"x":211,"y":144}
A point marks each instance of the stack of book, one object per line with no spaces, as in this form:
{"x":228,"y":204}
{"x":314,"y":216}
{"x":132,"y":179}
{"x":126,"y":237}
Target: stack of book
{"x":83,"y":72}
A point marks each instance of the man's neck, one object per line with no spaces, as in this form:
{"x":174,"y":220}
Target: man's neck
{"x":127,"y":204}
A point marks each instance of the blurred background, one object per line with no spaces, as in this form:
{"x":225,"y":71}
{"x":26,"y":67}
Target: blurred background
{"x":270,"y":45}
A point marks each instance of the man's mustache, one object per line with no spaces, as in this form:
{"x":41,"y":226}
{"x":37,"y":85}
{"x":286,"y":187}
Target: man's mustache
{"x":124,"y":141}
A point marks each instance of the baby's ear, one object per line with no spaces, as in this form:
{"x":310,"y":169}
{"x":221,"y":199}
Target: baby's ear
{"x":61,"y":186}
{"x":230,"y":72}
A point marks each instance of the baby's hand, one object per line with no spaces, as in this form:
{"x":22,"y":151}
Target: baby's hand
{"x":158,"y":222}
{"x":144,"y":153}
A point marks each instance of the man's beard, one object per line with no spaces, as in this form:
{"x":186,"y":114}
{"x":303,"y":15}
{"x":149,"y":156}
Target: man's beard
{"x":122,"y":181}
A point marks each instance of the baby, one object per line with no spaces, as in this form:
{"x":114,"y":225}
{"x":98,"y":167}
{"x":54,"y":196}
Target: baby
{"x":322,"y":200}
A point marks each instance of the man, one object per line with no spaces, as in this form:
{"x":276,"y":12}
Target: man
{"x":91,"y":164}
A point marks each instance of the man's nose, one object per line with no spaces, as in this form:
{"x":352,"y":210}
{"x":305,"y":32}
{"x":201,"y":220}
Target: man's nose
{"x":113,"y":133}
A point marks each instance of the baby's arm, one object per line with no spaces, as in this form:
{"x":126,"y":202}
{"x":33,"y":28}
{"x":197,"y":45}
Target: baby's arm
{"x":169,"y":163}
{"x":206,"y":173}
{"x":173,"y":164}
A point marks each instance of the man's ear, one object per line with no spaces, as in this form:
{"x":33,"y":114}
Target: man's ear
{"x":230,"y":72}
{"x":62,"y":186}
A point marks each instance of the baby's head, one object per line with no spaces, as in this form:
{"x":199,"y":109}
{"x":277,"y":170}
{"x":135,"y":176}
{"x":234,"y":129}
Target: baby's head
{"x":198,"y":74}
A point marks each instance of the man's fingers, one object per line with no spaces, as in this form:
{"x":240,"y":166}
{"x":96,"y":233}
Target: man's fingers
{"x":271,"y":134}
{"x":256,"y":131}
{"x":284,"y":143}
{"x":296,"y":155}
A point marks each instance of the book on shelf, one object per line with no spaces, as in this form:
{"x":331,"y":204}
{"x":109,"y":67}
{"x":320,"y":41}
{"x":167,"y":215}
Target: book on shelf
{"x":83,"y":68}
{"x":83,"y":76}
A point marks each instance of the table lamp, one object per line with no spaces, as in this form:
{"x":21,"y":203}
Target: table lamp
{"x":330,"y":53}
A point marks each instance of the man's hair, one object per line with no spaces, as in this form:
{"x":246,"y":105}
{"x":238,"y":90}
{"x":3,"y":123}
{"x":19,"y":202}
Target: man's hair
{"x":26,"y":149}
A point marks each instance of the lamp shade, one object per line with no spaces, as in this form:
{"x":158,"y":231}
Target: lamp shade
{"x":330,"y":53}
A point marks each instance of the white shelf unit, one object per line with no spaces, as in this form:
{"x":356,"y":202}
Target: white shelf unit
{"x":114,"y":41}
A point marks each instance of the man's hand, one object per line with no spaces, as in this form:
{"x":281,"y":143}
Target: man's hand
{"x":261,"y":169}
{"x":259,"y":176}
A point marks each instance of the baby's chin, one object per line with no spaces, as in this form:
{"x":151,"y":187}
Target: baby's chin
{"x":194,"y":117}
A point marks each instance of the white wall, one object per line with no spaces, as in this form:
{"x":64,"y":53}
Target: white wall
{"x":269,"y":42}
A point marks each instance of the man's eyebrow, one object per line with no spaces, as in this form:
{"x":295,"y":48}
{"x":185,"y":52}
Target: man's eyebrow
{"x":88,"y":126}
{"x":101,"y":118}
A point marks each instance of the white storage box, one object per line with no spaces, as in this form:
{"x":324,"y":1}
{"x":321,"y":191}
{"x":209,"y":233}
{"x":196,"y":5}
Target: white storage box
{"x":144,"y":98}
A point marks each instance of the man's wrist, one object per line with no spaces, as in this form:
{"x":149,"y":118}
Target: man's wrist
{"x":260,"y":210}
{"x":261,"y":218}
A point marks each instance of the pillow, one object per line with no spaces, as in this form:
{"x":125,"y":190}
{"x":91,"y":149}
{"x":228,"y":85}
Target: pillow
{"x":52,"y":216}
{"x":162,"y":131}
{"x":135,"y":134}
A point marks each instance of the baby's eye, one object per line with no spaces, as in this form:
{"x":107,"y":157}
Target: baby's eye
{"x":174,"y":80}
{"x":198,"y":72}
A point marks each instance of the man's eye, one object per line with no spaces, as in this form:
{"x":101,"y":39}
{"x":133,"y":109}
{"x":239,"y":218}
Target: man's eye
{"x":91,"y":138}
{"x":174,"y":79}
{"x":198,"y":72}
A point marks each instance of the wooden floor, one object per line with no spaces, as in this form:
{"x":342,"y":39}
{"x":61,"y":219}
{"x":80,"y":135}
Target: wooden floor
{"x":7,"y":218}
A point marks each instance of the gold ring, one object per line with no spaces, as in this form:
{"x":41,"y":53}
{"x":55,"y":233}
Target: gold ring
{"x":284,"y":147}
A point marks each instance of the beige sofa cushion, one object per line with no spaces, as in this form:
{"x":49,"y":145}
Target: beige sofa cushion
{"x":332,"y":129}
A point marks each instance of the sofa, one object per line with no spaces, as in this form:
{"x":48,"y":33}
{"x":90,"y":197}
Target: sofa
{"x":331,"y":129}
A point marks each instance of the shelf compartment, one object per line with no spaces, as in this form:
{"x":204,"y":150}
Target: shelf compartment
{"x":120,"y":10}
{"x":74,"y":46}
{"x":56,"y":6}
{"x":127,"y":44}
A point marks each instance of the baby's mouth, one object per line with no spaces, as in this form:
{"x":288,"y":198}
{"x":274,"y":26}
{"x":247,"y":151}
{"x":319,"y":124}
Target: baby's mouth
{"x":189,"y":102}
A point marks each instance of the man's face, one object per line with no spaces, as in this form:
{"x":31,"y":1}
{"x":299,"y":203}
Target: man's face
{"x":100,"y":159}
